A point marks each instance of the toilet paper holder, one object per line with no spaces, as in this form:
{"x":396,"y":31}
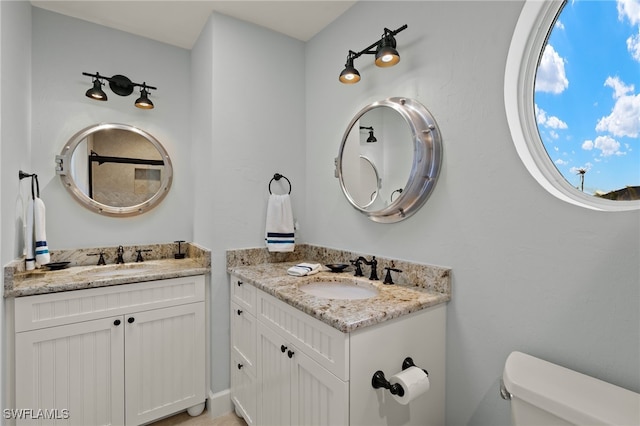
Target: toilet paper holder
{"x":380,"y":381}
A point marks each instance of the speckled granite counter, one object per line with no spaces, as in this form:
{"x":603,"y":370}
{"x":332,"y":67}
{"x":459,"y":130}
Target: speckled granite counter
{"x":83,"y":273}
{"x":419,"y":286}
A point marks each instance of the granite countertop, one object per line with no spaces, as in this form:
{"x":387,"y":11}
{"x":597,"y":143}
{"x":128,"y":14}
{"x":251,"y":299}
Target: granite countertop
{"x":392,"y":301}
{"x":80,"y":275}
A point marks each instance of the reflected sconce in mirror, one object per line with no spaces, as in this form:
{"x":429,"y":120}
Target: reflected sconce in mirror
{"x":385,"y":51}
{"x":120,"y":85}
{"x":371,"y":138}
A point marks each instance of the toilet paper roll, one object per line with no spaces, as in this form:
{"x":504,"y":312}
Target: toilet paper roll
{"x":414,"y":381}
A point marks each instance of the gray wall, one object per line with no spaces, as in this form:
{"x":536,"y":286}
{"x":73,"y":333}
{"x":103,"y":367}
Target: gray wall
{"x":248,"y":92}
{"x":62,"y":49}
{"x":530,"y":272}
{"x":15,"y":145}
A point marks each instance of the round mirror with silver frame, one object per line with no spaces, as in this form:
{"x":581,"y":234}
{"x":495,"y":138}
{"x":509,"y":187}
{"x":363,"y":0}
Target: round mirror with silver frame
{"x":408,"y":155}
{"x":115,"y":169}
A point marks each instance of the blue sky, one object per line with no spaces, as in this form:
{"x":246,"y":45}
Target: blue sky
{"x":587,"y":94}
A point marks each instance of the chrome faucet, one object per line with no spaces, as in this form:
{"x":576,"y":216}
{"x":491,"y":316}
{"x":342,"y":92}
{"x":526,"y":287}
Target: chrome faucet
{"x":120,"y":252}
{"x":374,"y":267}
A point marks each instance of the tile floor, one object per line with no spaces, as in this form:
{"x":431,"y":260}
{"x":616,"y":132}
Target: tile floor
{"x":184,"y":419}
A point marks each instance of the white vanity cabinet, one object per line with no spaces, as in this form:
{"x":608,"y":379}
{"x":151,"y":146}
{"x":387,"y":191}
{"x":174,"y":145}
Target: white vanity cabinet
{"x":119,"y":355}
{"x":301,"y":371}
{"x":287,"y":368}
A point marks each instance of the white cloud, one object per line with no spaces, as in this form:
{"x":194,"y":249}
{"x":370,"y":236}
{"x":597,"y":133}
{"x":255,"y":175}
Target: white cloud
{"x":619,"y":88}
{"x":555,"y":123}
{"x":551,"y":76}
{"x":561,"y":162}
{"x":559,"y":25}
{"x":608,"y":146}
{"x":587,"y":145}
{"x":633,"y":46}
{"x":551,"y":122}
{"x":629,"y":9}
{"x":624,"y":119}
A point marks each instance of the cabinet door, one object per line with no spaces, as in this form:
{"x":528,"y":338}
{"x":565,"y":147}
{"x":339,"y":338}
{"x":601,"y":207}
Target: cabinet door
{"x":77,"y":367}
{"x":318,"y":397}
{"x":165,"y":365}
{"x":273,"y":381}
{"x":243,"y":389}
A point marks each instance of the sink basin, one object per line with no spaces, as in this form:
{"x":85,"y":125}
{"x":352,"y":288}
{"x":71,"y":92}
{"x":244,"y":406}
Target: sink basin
{"x":115,"y":270}
{"x":343,"y":290}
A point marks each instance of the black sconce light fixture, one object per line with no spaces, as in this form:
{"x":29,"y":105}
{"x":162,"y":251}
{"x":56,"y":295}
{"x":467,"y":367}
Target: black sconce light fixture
{"x":371,"y":138}
{"x":385,"y":51}
{"x":120,"y":85}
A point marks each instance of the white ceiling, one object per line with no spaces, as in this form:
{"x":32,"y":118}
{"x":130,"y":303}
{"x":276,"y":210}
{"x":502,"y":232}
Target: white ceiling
{"x":179,"y":22}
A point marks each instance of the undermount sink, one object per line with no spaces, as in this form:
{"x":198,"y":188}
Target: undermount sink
{"x":115,"y":270}
{"x":345,"y":290}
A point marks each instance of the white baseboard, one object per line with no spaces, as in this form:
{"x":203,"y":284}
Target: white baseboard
{"x":219,"y":403}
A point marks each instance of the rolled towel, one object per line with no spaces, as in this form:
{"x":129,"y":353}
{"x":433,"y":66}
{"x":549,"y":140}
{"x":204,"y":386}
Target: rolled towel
{"x":302,"y":269}
{"x":39,"y":223}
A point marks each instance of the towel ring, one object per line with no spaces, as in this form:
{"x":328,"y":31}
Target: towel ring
{"x":278,"y":176}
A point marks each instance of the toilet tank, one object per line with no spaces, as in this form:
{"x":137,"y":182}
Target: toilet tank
{"x":543,"y":393}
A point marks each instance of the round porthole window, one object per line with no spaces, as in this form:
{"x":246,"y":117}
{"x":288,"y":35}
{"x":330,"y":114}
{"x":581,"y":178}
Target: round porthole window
{"x":580,"y":142}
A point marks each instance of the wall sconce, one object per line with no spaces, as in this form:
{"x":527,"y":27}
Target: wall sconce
{"x":371,"y":138}
{"x":120,"y":85}
{"x":385,"y":51}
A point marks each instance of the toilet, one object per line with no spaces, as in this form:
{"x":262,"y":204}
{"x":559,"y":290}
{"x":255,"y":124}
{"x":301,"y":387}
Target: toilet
{"x":542,"y":394}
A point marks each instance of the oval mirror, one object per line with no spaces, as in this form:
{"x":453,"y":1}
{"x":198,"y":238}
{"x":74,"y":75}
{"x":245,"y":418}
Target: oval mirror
{"x":389,"y":159}
{"x":115,"y":169}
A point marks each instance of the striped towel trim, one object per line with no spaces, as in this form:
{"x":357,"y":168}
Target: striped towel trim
{"x":41,"y":247}
{"x":280,"y":238}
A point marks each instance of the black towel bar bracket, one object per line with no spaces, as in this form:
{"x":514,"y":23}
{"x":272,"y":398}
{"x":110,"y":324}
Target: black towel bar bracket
{"x":35,"y":191}
{"x":23,"y":175}
{"x":277,"y":177}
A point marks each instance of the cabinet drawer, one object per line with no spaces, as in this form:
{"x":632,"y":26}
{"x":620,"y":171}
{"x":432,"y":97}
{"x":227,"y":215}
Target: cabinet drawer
{"x":243,"y":335}
{"x":321,"y":342}
{"x":243,"y":294}
{"x":48,"y":310}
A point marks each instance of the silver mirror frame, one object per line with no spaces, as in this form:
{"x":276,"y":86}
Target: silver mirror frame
{"x":376,"y":193}
{"x":64,"y":159}
{"x":427,"y":158}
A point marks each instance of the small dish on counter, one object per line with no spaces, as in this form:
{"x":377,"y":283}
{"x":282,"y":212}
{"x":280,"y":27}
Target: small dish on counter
{"x":337,"y":267}
{"x":55,"y":266}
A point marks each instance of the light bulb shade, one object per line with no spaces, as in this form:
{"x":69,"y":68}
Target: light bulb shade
{"x":96,"y":91}
{"x":349,"y":75}
{"x":386,"y":54}
{"x":143,"y":101}
{"x":371,"y":138}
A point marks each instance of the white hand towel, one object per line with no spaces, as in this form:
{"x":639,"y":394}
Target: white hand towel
{"x":30,"y":256}
{"x":302,"y":269}
{"x":39,"y":222}
{"x":279,"y":228}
